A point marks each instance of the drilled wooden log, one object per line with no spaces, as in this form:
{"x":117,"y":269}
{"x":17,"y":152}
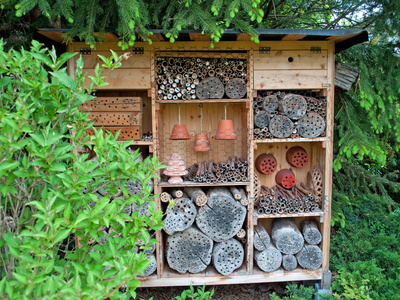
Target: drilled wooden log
{"x":165,"y":197}
{"x":222,"y":217}
{"x":189,"y":251}
{"x":294,"y":106}
{"x":270,"y":103}
{"x":310,"y":257}
{"x":235,"y":192}
{"x":142,"y":209}
{"x":236,"y":88}
{"x":262,"y":239}
{"x":289,"y":262}
{"x":210,"y":88}
{"x":244,"y":201}
{"x":228,"y":256}
{"x":281,"y":126}
{"x":269,"y":259}
{"x":176,"y":193}
{"x":286,"y":236}
{"x":241,"y":234}
{"x":262,"y":119}
{"x":181,"y":216}
{"x":311,"y":233}
{"x":152,"y":267}
{"x":197,"y":195}
{"x":311,"y":125}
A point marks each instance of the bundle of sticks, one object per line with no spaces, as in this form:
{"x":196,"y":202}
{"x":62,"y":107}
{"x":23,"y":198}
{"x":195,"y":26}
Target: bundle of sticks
{"x":278,"y":200}
{"x":234,"y":169}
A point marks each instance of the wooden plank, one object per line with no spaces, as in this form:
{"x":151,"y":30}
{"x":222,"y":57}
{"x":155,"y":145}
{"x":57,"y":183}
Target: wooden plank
{"x":243,"y":37}
{"x":203,"y":101}
{"x":113,"y":104}
{"x":289,"y":79}
{"x":156,"y":37}
{"x":293,"y":37}
{"x":116,"y":118}
{"x":299,"y":215}
{"x":127,"y":133}
{"x":290,"y":140}
{"x":191,"y":183}
{"x":53,"y":35}
{"x":208,"y":54}
{"x":196,"y":36}
{"x":258,"y":277}
{"x":204,"y":45}
{"x":107,"y":37}
{"x":327,"y":170}
{"x":291,"y":60}
{"x":136,"y":61}
{"x":122,"y":79}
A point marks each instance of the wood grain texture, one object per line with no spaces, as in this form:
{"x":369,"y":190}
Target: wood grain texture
{"x":122,"y":79}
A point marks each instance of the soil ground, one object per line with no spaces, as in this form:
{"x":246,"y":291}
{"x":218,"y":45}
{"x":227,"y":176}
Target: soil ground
{"x":221,"y":292}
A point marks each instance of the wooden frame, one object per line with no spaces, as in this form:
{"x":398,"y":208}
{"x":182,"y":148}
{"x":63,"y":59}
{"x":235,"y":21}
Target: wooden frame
{"x":289,"y":65}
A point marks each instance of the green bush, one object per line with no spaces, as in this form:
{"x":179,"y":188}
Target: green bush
{"x":44,"y":202}
{"x":296,"y":292}
{"x":365,"y":253}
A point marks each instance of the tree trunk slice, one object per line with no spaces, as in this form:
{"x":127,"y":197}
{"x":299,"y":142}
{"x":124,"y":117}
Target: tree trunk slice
{"x":311,"y":125}
{"x":197,"y":195}
{"x":286,"y":236}
{"x":270,"y":103}
{"x":141,"y":209}
{"x":210,"y":88}
{"x":177,"y":193}
{"x":222,"y":217}
{"x":189,"y":251}
{"x":281,"y":126}
{"x":152,"y":267}
{"x":241,"y":234}
{"x":268,"y":260}
{"x":262,"y":239}
{"x":180,"y":217}
{"x":311,"y":233}
{"x":235,"y":192}
{"x":310,"y":257}
{"x":236,"y":88}
{"x":262,"y":119}
{"x":228,"y":256}
{"x":289,"y":262}
{"x":294,"y":106}
{"x":165,"y":197}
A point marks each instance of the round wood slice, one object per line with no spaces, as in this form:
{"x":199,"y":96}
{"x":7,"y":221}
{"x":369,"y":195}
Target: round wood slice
{"x":310,"y":257}
{"x":294,"y":106}
{"x":262,"y":119}
{"x":286,"y":236}
{"x":311,"y":233}
{"x":289,"y":262}
{"x":228,"y":256}
{"x":269,"y":259}
{"x":181,"y":216}
{"x":270,"y":103}
{"x":281,"y":126}
{"x":210,"y":88}
{"x":311,"y":125}
{"x":152,"y":267}
{"x":236,"y":88}
{"x":189,"y":251}
{"x":222,"y":217}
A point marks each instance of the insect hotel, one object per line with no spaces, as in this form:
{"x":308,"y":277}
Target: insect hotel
{"x":246,"y":133}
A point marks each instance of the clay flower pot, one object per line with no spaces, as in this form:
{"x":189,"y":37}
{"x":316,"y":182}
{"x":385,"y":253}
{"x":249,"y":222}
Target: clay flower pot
{"x":225,"y":130}
{"x":179,"y":132}
{"x":201,"y":143}
{"x":266,"y":163}
{"x":285,"y":178}
{"x":297,"y":157}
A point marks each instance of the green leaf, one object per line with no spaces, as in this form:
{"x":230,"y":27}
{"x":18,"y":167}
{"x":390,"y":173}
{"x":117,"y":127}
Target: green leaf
{"x":62,"y":235}
{"x":64,"y":78}
{"x":21,"y":278}
{"x":11,"y":239}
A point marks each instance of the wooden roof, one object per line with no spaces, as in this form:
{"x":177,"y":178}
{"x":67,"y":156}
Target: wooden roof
{"x":343,"y":38}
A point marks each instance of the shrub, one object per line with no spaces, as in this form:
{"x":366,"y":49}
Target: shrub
{"x":48,"y":192}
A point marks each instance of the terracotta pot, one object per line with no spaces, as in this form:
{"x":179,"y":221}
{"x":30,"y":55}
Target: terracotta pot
{"x":179,"y":132}
{"x":266,"y":163}
{"x":201,"y":143}
{"x":285,"y":178}
{"x":225,"y":130}
{"x":297,"y":157}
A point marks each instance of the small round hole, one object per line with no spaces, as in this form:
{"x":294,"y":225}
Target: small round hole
{"x":290,"y":59}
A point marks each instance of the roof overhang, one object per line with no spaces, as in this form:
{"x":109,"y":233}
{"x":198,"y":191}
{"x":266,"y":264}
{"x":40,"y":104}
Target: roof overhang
{"x":343,"y":38}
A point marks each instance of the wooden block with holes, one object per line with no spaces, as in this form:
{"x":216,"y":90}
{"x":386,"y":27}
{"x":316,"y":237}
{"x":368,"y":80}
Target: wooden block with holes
{"x":116,"y":113}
